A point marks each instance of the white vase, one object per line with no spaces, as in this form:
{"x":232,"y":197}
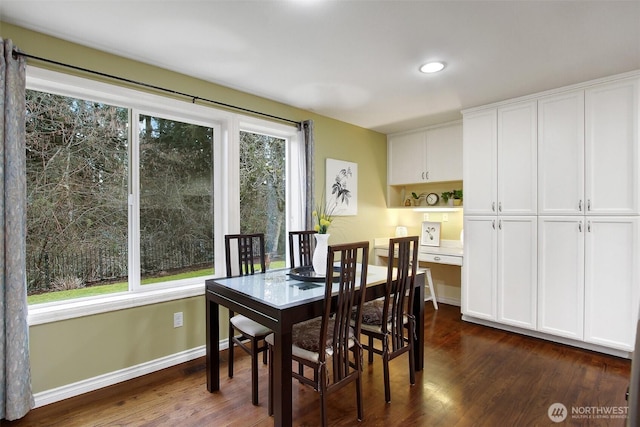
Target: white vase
{"x":320,"y":254}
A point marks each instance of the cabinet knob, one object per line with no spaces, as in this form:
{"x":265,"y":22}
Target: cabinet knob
{"x":499,"y":206}
{"x":493,"y":206}
{"x":436,"y":258}
{"x":580,"y":205}
{"x":580,"y":227}
{"x":588,"y":204}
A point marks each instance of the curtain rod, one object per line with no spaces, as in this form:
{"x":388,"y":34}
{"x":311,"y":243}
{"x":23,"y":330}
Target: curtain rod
{"x":150,"y":86}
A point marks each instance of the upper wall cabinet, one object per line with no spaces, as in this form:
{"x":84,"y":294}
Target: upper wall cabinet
{"x":430,"y":155}
{"x":611,"y":148}
{"x":500,"y":160}
{"x":588,"y":151}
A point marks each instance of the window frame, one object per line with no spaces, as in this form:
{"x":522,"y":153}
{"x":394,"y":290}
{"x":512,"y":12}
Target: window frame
{"x":226,"y":175}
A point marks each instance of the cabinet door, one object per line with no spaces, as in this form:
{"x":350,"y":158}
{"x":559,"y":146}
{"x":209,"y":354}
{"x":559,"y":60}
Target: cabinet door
{"x":444,"y":153}
{"x":480,"y":267}
{"x":406,"y":157}
{"x":611,"y":281}
{"x":517,"y":159}
{"x":479,"y":165}
{"x":561,"y":154}
{"x":611,"y":142}
{"x":517,"y":271}
{"x":561,"y":276}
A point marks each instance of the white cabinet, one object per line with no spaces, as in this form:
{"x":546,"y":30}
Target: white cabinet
{"x":499,"y":275}
{"x":588,"y":151}
{"x":611,"y":281}
{"x":406,"y":156}
{"x":517,"y":159}
{"x":517,"y":271}
{"x":588,"y":287}
{"x":480,"y":160}
{"x":558,"y":176}
{"x":611,"y":148}
{"x":500,"y":160}
{"x":480,"y":274}
{"x":430,"y":155}
{"x":561,"y":276}
{"x":561,"y":154}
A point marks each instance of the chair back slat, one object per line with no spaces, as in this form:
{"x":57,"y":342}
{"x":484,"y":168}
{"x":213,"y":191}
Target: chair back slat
{"x":401,"y":291}
{"x":301,"y":244}
{"x":351,"y":286}
{"x":250,"y":250}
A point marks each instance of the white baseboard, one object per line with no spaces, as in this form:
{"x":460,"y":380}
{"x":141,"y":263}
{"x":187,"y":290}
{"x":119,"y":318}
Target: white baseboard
{"x":449,"y":301}
{"x":111,"y":378}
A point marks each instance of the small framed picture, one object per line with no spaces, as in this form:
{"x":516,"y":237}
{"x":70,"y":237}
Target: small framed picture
{"x":430,"y":234}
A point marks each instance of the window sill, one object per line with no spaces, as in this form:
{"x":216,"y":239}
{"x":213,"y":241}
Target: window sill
{"x":55,"y":312}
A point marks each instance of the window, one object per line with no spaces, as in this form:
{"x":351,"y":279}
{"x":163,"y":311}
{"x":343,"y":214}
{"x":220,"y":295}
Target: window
{"x":262,"y":192}
{"x":131,"y":193}
{"x":176,"y":203}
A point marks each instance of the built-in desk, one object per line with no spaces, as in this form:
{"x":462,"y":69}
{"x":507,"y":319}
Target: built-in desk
{"x":449,"y":252}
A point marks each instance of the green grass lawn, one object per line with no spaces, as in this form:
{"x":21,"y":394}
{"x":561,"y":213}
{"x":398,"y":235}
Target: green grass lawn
{"x":120,"y":286}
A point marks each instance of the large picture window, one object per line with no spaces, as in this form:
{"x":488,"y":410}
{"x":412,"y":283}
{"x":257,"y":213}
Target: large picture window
{"x":128,"y":196}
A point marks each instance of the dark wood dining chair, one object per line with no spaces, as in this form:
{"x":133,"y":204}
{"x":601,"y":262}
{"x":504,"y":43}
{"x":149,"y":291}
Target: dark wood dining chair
{"x":301,"y":244}
{"x":390,"y":320}
{"x":332,"y":338}
{"x":250,"y":250}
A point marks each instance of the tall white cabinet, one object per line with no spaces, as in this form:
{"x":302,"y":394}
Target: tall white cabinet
{"x":552,"y":214}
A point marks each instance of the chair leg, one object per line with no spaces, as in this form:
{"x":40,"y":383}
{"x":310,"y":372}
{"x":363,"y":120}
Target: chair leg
{"x":264,"y":357}
{"x":359,"y":403}
{"x":322,"y":388}
{"x":370,"y":349}
{"x":254,"y":371}
{"x":387,"y":385}
{"x":270,"y":404}
{"x":231,"y":333}
{"x":412,"y":357}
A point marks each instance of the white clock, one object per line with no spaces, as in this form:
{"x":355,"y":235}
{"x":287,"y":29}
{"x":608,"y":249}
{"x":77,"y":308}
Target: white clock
{"x":432,"y":199}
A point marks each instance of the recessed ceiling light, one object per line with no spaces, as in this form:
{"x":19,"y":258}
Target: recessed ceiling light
{"x":432,"y":67}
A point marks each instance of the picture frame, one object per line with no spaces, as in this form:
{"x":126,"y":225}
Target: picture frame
{"x":342,"y":187}
{"x":430,"y":235}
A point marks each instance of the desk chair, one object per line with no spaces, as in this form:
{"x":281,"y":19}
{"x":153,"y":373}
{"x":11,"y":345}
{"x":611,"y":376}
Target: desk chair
{"x":250,"y":248}
{"x":331,"y":339}
{"x":301,"y":244}
{"x":390,"y":319}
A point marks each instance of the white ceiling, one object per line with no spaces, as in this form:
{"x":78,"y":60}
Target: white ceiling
{"x":357,"y":61}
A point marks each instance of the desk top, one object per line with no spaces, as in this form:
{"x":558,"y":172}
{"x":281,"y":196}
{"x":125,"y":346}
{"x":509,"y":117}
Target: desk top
{"x":277,"y":289}
{"x":447,"y":247}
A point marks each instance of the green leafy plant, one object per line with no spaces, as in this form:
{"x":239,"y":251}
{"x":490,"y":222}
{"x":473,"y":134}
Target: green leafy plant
{"x":457,"y":194}
{"x":446,"y":196}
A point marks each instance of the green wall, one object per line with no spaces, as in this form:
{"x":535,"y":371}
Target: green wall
{"x":68,"y":351}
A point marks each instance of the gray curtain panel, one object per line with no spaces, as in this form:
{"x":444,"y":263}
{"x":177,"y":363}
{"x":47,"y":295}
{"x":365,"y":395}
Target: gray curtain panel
{"x":16,"y":398}
{"x":306,"y":130}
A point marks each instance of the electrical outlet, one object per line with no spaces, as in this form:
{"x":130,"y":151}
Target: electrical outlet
{"x":425,"y":217}
{"x":177,"y":319}
{"x":445,"y":217}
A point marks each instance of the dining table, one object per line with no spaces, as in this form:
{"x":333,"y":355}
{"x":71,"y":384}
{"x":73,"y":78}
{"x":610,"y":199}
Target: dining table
{"x":279,"y":300}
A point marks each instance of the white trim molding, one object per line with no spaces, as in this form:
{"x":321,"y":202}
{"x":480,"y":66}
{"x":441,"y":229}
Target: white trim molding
{"x":91,"y":384}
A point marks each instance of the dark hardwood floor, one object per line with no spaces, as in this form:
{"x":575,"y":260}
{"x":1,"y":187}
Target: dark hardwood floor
{"x":473,"y":376}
